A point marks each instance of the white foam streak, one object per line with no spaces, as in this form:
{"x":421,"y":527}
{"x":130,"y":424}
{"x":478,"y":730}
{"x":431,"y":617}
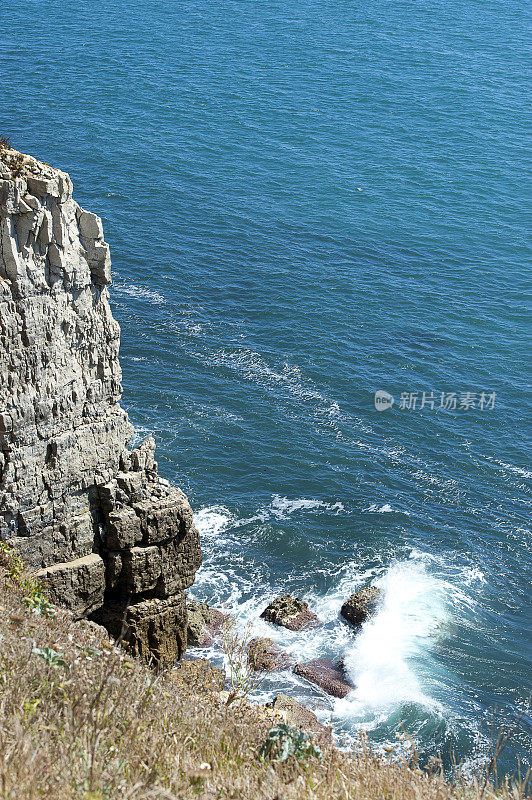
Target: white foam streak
{"x":386,"y":509}
{"x":138,"y":293}
{"x":282,"y":507}
{"x":214,"y":520}
{"x":523,"y":473}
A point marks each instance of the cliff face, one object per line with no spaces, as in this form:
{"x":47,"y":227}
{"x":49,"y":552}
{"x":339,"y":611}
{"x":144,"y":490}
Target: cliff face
{"x":111,"y":538}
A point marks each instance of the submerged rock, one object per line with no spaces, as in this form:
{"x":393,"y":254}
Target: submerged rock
{"x":198,"y":675}
{"x":266,"y":656}
{"x":326,"y":674}
{"x":290,"y":612}
{"x":299,"y":716}
{"x":360,"y":605}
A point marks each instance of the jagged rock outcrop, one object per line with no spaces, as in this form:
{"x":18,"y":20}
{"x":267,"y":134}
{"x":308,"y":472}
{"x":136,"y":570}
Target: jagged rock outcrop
{"x":361,"y":605}
{"x":290,"y":612}
{"x":296,"y":714}
{"x":204,"y":623}
{"x":109,"y":536}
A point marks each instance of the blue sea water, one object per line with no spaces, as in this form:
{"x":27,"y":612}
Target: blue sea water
{"x":306,"y":203}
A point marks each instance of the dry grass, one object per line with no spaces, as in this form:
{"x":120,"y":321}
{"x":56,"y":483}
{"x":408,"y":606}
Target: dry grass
{"x":81,"y":720}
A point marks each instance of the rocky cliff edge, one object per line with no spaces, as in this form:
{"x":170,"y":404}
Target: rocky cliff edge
{"x":109,"y":537}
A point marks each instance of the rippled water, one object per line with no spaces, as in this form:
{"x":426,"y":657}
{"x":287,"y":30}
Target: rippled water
{"x":307,"y":202}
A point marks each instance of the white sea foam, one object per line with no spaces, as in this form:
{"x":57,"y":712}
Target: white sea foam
{"x":382,"y":661}
{"x":473,"y":576}
{"x":212,"y":521}
{"x":386,"y":509}
{"x":253,"y":366}
{"x":138,"y":292}
{"x":523,"y":473}
{"x":334,"y":410}
{"x":139,"y":434}
{"x":282,"y":507}
{"x":445,"y":483}
{"x":194,"y":330}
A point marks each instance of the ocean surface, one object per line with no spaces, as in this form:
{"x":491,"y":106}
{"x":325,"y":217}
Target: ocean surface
{"x":306,"y":203}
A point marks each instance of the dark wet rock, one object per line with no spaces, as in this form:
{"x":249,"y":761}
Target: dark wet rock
{"x":266,"y":656}
{"x":197,"y":675}
{"x":360,"y":605}
{"x":203,"y":623}
{"x":291,"y":613}
{"x":326,"y":674}
{"x":299,"y":716}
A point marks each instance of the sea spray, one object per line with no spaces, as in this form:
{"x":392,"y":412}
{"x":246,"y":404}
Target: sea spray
{"x":383,"y":662}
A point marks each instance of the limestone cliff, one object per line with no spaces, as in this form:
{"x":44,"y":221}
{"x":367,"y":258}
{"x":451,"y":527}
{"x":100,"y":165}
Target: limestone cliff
{"x":110,"y":537}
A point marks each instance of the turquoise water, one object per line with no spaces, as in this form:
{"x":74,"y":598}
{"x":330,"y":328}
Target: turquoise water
{"x":308,"y":202}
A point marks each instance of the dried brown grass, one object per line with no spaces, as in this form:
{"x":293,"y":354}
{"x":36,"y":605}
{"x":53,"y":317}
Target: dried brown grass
{"x":91,"y":723}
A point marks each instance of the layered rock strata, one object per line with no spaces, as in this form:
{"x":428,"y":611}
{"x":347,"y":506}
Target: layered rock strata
{"x":109,"y":537}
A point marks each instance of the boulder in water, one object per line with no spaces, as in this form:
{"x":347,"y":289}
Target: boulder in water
{"x":326,"y":674}
{"x":360,"y":605}
{"x":290,"y":612}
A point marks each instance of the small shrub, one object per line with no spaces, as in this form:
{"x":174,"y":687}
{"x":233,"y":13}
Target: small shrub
{"x":13,"y":161}
{"x":284,"y":741}
{"x":243,"y":678}
{"x":40,"y":605}
{"x":89,"y":652}
{"x":16,"y":164}
{"x":52,"y":658}
{"x":34,"y":599}
{"x":11,"y":561}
